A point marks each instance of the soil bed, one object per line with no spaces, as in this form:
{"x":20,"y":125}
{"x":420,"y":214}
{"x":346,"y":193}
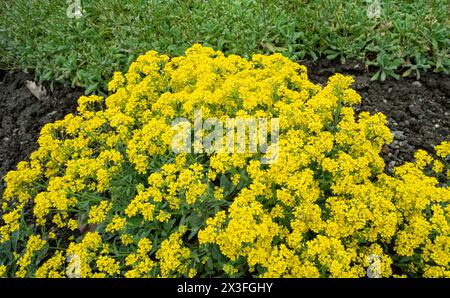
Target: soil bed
{"x":22,"y":116}
{"x":418,"y":110}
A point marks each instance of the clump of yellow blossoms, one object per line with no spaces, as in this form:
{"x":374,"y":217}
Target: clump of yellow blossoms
{"x":105,"y":196}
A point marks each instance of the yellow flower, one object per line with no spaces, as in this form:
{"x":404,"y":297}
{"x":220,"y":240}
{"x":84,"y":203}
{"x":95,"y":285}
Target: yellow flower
{"x":323,"y":209}
{"x":126,"y":239}
{"x":116,"y":224}
{"x":97,"y":214}
{"x":443,"y":149}
{"x":173,"y":256}
{"x":229,"y":269}
{"x":163,"y":216}
{"x":52,"y":268}
{"x":2,"y":270}
{"x":34,"y":244}
{"x":108,"y":266}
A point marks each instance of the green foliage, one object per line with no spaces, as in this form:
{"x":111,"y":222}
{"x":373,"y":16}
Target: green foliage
{"x":408,"y":38}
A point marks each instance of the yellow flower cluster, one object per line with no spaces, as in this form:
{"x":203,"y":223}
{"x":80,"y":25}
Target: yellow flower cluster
{"x":105,"y":195}
{"x":140,"y":261}
{"x":97,"y":214}
{"x":34,"y":244}
{"x":52,"y":268}
{"x":2,"y":270}
{"x":172,"y":256}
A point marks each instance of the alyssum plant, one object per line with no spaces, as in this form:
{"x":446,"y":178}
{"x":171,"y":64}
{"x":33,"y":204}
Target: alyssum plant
{"x":106,"y":196}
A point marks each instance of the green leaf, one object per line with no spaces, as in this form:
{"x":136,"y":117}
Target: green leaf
{"x":193,"y":232}
{"x":407,"y":72}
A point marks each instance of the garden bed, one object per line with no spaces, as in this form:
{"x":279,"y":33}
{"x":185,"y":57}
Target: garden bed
{"x":23,"y":115}
{"x":418,"y":110}
{"x":107,"y":192}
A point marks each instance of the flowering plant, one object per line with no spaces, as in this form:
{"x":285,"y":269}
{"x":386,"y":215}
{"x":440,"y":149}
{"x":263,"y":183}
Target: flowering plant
{"x":106,"y":196}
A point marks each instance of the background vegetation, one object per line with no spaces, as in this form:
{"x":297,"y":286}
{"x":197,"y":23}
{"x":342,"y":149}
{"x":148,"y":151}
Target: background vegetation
{"x":408,"y":38}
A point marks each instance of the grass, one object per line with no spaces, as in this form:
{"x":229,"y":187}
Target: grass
{"x":408,"y":38}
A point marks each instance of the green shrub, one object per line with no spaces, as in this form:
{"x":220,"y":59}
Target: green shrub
{"x":107,"y":192}
{"x":411,"y":36}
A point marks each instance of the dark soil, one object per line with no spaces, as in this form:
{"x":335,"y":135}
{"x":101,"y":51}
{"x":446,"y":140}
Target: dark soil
{"x":22,"y":116}
{"x":418,"y":110}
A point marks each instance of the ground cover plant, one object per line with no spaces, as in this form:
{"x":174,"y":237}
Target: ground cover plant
{"x":105,"y":195}
{"x":407,"y":38}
